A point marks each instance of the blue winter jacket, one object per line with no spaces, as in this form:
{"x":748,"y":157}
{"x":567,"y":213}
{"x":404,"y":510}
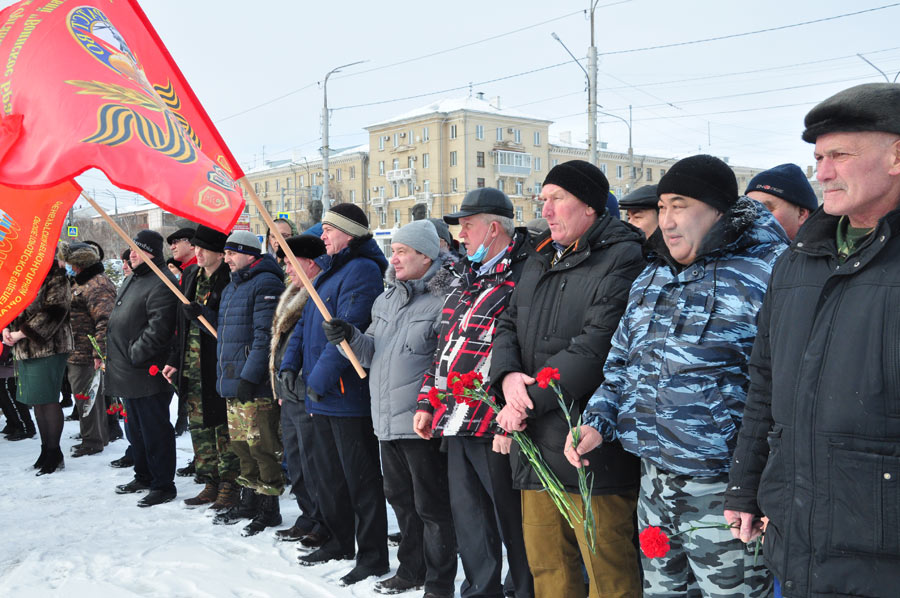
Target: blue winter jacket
{"x":348,"y":286}
{"x":244,"y":327}
{"x":676,"y":376}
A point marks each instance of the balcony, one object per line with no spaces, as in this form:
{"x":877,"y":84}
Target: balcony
{"x":425,"y":197}
{"x":512,"y":163}
{"x":377,"y":201}
{"x":401,"y":174}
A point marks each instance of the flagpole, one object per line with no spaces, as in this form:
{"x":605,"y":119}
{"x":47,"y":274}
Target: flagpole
{"x":303,"y":278}
{"x":147,"y":261}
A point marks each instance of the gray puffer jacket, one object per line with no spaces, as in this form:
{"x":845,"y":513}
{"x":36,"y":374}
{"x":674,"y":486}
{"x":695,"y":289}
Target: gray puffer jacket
{"x":399,"y":347}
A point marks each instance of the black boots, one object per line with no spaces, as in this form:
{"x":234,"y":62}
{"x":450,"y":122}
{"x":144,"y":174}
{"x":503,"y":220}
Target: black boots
{"x":268,"y":514}
{"x":26,"y":431}
{"x":53,"y":460}
{"x":245,"y":509}
{"x":40,"y":460}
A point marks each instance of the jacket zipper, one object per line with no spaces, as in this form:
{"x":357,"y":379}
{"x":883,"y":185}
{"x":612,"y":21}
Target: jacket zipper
{"x":556,"y":308}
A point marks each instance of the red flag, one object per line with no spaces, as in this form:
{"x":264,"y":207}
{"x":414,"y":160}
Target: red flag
{"x":96,"y":87}
{"x":30,"y":223}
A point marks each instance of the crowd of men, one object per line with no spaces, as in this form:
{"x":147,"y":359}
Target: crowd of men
{"x":732,"y":361}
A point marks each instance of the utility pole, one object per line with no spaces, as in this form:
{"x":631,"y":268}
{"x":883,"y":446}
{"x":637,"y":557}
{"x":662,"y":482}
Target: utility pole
{"x":326,"y":203}
{"x":592,"y":91}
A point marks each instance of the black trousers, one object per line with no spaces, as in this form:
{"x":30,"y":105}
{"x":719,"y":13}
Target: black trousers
{"x":296,"y":425}
{"x":415,"y":484}
{"x":345,"y":457}
{"x":486,"y":510}
{"x":152,"y":440}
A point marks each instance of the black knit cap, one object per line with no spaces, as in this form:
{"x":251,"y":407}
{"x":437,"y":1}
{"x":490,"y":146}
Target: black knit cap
{"x":209,"y":238}
{"x":308,"y":246}
{"x":704,"y":178}
{"x":788,"y":182}
{"x":583,"y":180}
{"x":181,"y":233}
{"x":866,"y":107}
{"x":644,"y":198}
{"x":150,"y":241}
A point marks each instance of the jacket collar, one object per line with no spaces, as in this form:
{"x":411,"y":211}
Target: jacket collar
{"x":605,"y":231}
{"x":89,"y":272}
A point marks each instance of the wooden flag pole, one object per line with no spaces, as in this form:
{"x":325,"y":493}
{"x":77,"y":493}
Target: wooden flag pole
{"x":303,"y":278}
{"x":147,"y":261}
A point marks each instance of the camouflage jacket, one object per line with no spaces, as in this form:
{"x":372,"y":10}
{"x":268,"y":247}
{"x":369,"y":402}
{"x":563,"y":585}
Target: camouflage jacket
{"x":676,"y":376}
{"x":93,"y":297}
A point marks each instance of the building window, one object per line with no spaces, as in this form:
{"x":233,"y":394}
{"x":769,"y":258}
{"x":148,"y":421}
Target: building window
{"x":352,"y":172}
{"x":519,"y":214}
{"x":410,"y":161}
{"x":452,"y":131}
{"x":539,"y":211}
{"x":426,"y":160}
{"x":634,"y":173}
{"x":425,"y":134}
{"x":553,"y":163}
{"x":395,"y":163}
{"x":256,"y":187}
{"x":410,"y":188}
{"x":537,"y":191}
{"x":453,"y":185}
{"x":603,"y":168}
{"x":479,"y":159}
{"x":649,"y":175}
{"x":412,"y":137}
{"x":479,"y":182}
{"x":426,"y":186}
{"x":337,"y":175}
{"x":301,"y":180}
{"x":396,"y":139}
{"x":381,"y":167}
{"x":454,"y":208}
{"x":517,"y":134}
{"x":287,"y":183}
{"x":537,"y":137}
{"x":662,"y":172}
{"x":500,"y":185}
{"x":537,"y":164}
{"x":277,"y":185}
{"x":499,"y":133}
{"x":381,"y":192}
{"x":479,"y":132}
{"x":519,"y":188}
{"x":396,"y":189}
{"x":381,"y":142}
{"x":396,"y":217}
{"x":452,"y":158}
{"x":266,"y":186}
{"x":619,"y":171}
{"x":352,"y":196}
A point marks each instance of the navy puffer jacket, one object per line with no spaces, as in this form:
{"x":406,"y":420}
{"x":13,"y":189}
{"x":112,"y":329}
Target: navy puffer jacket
{"x":244,"y":327}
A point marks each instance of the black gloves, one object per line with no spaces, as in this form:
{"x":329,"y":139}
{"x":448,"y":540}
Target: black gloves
{"x":192,"y":310}
{"x":291,"y":385}
{"x":337,"y":331}
{"x":245,"y":391}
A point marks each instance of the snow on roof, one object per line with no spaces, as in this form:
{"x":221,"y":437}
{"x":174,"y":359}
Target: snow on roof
{"x":447,"y":105}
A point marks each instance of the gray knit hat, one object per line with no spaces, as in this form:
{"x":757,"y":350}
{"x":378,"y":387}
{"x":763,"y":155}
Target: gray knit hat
{"x":421,"y":236}
{"x":243,"y":241}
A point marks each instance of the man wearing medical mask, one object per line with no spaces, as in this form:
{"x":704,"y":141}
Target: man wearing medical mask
{"x":477,"y":449}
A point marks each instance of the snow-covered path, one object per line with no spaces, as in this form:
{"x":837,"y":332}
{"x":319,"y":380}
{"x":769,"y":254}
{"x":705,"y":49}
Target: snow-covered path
{"x":70,"y":535}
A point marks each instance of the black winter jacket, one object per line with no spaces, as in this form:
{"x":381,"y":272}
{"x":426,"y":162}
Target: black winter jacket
{"x":139,"y":334}
{"x":213,"y":404}
{"x":564,"y":317}
{"x":819,"y":451}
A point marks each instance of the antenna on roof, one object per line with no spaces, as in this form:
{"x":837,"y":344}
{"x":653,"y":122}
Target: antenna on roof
{"x":470,"y":89}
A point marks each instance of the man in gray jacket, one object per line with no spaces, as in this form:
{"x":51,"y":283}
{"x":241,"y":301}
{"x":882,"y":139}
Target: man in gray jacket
{"x":399,"y":348}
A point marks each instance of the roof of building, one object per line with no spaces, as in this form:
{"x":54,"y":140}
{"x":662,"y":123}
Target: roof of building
{"x":471,"y":103}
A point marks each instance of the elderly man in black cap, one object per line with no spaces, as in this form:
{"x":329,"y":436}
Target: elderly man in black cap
{"x":139,"y":335}
{"x":818,"y":452}
{"x":485,"y":506}
{"x":786,"y":192}
{"x":566,"y":306}
{"x":192,"y":369}
{"x":641,"y":207}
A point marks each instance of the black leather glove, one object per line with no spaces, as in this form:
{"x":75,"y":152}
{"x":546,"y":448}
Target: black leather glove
{"x":336,"y":331}
{"x":291,"y":385}
{"x":245,"y":391}
{"x":313,"y":395}
{"x":192,"y":310}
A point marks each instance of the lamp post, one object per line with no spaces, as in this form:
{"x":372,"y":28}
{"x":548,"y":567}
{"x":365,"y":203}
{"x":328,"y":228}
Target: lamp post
{"x":325,"y":149}
{"x":631,"y":177}
{"x":591,"y":74}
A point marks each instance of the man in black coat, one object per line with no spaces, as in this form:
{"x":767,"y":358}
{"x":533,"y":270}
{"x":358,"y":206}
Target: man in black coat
{"x":139,"y":337}
{"x":192,"y":369}
{"x":562,"y":315}
{"x":819,"y":450}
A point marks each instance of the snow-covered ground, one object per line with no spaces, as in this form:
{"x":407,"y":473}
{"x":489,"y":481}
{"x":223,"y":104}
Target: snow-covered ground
{"x":70,"y":535}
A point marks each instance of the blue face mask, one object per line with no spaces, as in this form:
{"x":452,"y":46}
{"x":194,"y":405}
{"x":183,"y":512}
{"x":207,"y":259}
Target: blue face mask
{"x":70,"y":271}
{"x":482,"y":251}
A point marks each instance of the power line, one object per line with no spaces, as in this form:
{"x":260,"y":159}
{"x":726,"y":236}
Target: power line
{"x":746,"y":33}
{"x":272,"y":101}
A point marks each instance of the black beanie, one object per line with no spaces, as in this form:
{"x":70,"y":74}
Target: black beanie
{"x":150,"y":241}
{"x":583,"y":180}
{"x":788,"y":182}
{"x":704,"y":178}
{"x":308,"y":246}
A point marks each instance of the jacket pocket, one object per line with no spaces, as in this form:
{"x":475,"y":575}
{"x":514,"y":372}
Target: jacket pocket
{"x":863,"y":503}
{"x":420,"y":337}
{"x":773,"y":481}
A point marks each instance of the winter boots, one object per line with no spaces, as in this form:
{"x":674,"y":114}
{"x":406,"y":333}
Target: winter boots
{"x":245,"y":509}
{"x":53,"y":460}
{"x":207,"y":496}
{"x":268,"y":514}
{"x":229,"y":496}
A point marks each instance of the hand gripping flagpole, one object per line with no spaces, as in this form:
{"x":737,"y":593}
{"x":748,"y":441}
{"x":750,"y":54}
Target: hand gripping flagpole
{"x":147,"y":260}
{"x":303,"y":278}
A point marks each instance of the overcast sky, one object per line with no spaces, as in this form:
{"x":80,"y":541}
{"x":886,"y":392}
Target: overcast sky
{"x":256,"y":66}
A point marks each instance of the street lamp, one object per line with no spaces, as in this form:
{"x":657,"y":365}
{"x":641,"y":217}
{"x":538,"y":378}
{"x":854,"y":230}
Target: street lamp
{"x":630,"y":149}
{"x":325,"y":149}
{"x":591,"y":75}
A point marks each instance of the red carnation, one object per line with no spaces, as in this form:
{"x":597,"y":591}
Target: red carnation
{"x":434,"y":397}
{"x":154,"y":370}
{"x":654,"y":542}
{"x":110,"y":411}
{"x":80,"y":397}
{"x":546,"y":375}
{"x":458,"y":388}
{"x":454,"y":377}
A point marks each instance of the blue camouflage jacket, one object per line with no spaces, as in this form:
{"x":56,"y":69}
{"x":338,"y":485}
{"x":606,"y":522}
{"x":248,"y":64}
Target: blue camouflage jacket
{"x":676,"y":376}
